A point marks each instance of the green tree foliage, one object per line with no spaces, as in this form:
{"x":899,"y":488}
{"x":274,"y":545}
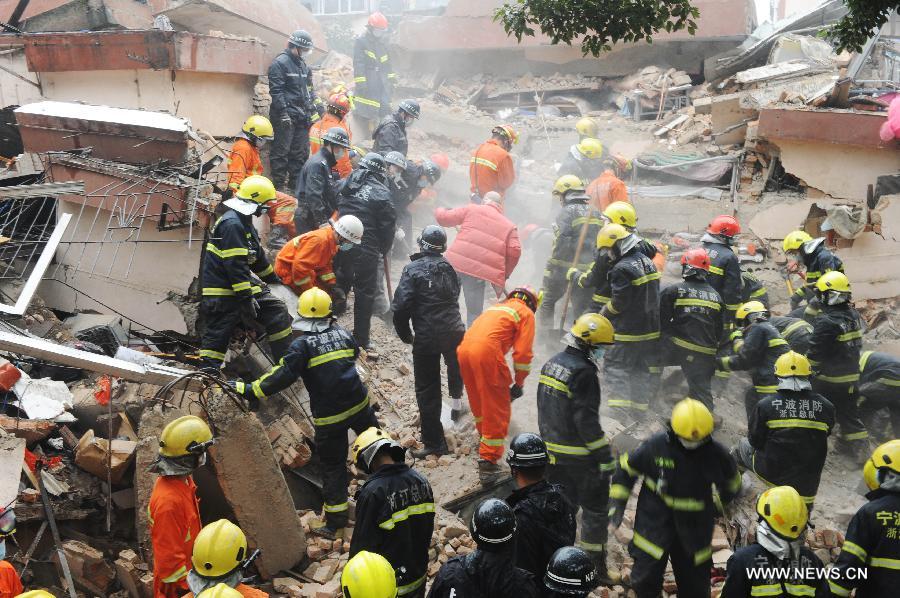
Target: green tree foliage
{"x":865,"y":17}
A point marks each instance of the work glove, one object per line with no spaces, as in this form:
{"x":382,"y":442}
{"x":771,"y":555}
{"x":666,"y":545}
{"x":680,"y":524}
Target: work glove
{"x":249,"y":311}
{"x":515,"y":391}
{"x":338,"y":301}
{"x":286,"y":120}
{"x":573,"y":274}
{"x":246,"y":392}
{"x":722,"y":364}
{"x":796,"y":300}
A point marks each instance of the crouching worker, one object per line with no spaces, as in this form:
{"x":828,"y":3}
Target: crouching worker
{"x":220,"y":557}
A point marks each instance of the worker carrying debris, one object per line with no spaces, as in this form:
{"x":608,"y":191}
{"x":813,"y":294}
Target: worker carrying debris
{"x":491,"y":167}
{"x":428,"y":294}
{"x":369,"y":575}
{"x":243,"y":159}
{"x":545,"y":519}
{"x":10,"y":583}
{"x":336,"y":110}
{"x":316,"y":186}
{"x":490,"y":570}
{"x":373,"y":75}
{"x":584,"y":160}
{"x":390,"y":134}
{"x":324,"y":356}
{"x":294,"y":108}
{"x":798,"y":245}
{"x":879,"y":381}
{"x":724,"y":269}
{"x":394,"y":510}
{"x":489,"y":385}
{"x":795,"y":331}
{"x":834,"y":349}
{"x":787,"y":439}
{"x":676,"y":509}
{"x":234,"y":263}
{"x":173,"y":510}
{"x":690,"y":316}
{"x":568,"y":401}
{"x":408,"y":179}
{"x":220,"y":557}
{"x":570,"y":573}
{"x":871,"y":552}
{"x":606,"y":188}
{"x":779,"y":546}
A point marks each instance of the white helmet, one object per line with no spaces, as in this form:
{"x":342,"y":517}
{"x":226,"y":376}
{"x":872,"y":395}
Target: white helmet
{"x":349,"y":227}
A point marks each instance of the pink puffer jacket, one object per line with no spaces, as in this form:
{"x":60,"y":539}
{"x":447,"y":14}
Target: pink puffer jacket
{"x":487,"y":245}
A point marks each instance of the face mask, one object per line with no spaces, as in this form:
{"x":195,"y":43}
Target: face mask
{"x":261,"y":210}
{"x":2,"y":549}
{"x":339,"y":153}
{"x":780,"y":548}
{"x":835,"y":298}
{"x":692,"y":444}
{"x":260,"y":142}
{"x":422,"y":183}
{"x":345,"y":246}
{"x":201,"y":460}
{"x":597,"y":352}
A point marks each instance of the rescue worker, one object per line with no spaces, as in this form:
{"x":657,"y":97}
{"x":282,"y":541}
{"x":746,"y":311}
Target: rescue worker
{"x":407,"y":179}
{"x":316,"y":187}
{"x":243,"y":159}
{"x":173,"y":511}
{"x":787,"y":439}
{"x":294,"y":108}
{"x":336,"y":110}
{"x":631,"y":367}
{"x":368,"y":575}
{"x":234,"y":263}
{"x":219,"y":557}
{"x":584,"y":160}
{"x":752,"y":289}
{"x":373,"y":76}
{"x":779,"y":546}
{"x":10,"y":582}
{"x":795,"y":331}
{"x":798,"y":245}
{"x":489,"y":385}
{"x":676,"y":508}
{"x":870,"y":544}
{"x":545,"y":519}
{"x":570,"y":572}
{"x":491,"y":167}
{"x":390,"y":134}
{"x":568,"y":401}
{"x":324,"y":356}
{"x":724,"y":269}
{"x":606,"y":189}
{"x":221,"y":590}
{"x":690,"y":315}
{"x":834,"y":348}
{"x":428,"y":294}
{"x":490,"y":570}
{"x":575,"y":221}
{"x":879,"y":387}
{"x":587,"y":128}
{"x":394,"y":510}
{"x":365,"y":195}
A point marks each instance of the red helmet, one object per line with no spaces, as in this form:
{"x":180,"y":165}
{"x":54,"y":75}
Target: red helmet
{"x":727,"y":226}
{"x":696,"y":258}
{"x":378,"y":21}
{"x":527,"y":294}
{"x":442,"y":160}
{"x":339,"y":102}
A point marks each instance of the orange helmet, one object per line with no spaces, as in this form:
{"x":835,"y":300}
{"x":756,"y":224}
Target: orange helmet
{"x":506,"y":131}
{"x":378,"y":21}
{"x":727,"y":226}
{"x":442,"y":160}
{"x":528,"y":295}
{"x":339,"y":103}
{"x":696,"y":258}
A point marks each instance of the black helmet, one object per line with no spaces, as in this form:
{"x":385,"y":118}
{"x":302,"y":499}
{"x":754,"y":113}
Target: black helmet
{"x":373,"y":162}
{"x":396,"y":158}
{"x":301,"y":39}
{"x":337,"y":136}
{"x":571,"y":571}
{"x":493,"y":525}
{"x":527,"y":450}
{"x":411,"y":107}
{"x":432,"y":171}
{"x":433,"y":239}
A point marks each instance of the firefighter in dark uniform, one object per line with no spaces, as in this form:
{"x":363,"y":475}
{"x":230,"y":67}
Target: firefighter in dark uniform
{"x":234,"y":263}
{"x":373,"y":75}
{"x":724,"y":269}
{"x":568,"y":400}
{"x":779,"y":545}
{"x":676,"y":508}
{"x":871,"y":542}
{"x":490,"y":570}
{"x":787,"y":439}
{"x":752,"y":289}
{"x":428,"y":294}
{"x":324,"y":356}
{"x":690,"y":316}
{"x":407,"y":179}
{"x":570,"y":572}
{"x":756,"y":348}
{"x":795,"y":331}
{"x":316,"y":186}
{"x":394,"y":510}
{"x":545,"y":519}
{"x":817,"y":260}
{"x":574,"y":215}
{"x":834,"y":348}
{"x":879,"y":387}
{"x":390,"y":134}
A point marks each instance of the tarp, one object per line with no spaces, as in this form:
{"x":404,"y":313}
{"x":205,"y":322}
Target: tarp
{"x":694,"y":166}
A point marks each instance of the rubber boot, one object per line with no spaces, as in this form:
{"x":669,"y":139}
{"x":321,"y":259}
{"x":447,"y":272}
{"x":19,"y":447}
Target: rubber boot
{"x":488,"y":472}
{"x":429,"y":450}
{"x":608,"y":577}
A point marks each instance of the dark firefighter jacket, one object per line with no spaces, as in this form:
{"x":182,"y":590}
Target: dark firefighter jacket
{"x":482,"y":574}
{"x":579,"y":165}
{"x":795,"y":331}
{"x":365,"y":196}
{"x":390,"y":135}
{"x":291,"y":88}
{"x":427,"y":294}
{"x":373,"y":77}
{"x":872,"y":542}
{"x":789,"y":431}
{"x":676,"y":501}
{"x":326,"y":361}
{"x":597,"y":275}
{"x":739,"y":584}
{"x":316,"y":195}
{"x":690,"y":315}
{"x":817,"y":263}
{"x":395,"y":518}
{"x":835,"y":343}
{"x":879,"y":368}
{"x":567,"y":230}
{"x":633,"y":306}
{"x":761,"y":346}
{"x":752,"y":289}
{"x":404,"y":192}
{"x":545,"y":521}
{"x":568,"y":401}
{"x":725,"y":274}
{"x":233,"y":255}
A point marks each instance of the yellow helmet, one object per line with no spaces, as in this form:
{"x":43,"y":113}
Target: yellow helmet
{"x":833,"y":281}
{"x":587,"y":127}
{"x":593,"y":329}
{"x":219,"y":549}
{"x":590,"y":148}
{"x":256,"y":188}
{"x":367,"y":444}
{"x":368,"y":575}
{"x":36,"y":594}
{"x":567,"y":182}
{"x":182,"y":434}
{"x":259,"y":126}
{"x":792,"y":364}
{"x":691,"y":420}
{"x":795,"y":240}
{"x":220,"y":590}
{"x":784,"y":510}
{"x":870,"y":475}
{"x":621,"y":212}
{"x":886,"y":456}
{"x":751,"y":307}
{"x":314,"y":303}
{"x":610,"y":234}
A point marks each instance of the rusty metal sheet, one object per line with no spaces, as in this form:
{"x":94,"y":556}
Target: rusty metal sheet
{"x":841,"y":127}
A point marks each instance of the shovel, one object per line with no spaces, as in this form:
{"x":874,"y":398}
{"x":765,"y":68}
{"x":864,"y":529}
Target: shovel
{"x":565,"y":308}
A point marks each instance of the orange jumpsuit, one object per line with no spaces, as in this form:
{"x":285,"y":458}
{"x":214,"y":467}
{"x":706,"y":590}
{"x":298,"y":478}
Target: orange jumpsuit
{"x":174,"y":515}
{"x":243,"y":160}
{"x":245,"y":590}
{"x":281,"y":212}
{"x":491,"y":169}
{"x":10,"y":584}
{"x":485,"y":373}
{"x":319,"y":128}
{"x":305,"y":261}
{"x":606,"y":189}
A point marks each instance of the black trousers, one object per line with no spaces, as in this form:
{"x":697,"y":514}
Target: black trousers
{"x":698,"y":370}
{"x":631,"y":379}
{"x":648,"y":571}
{"x":222,"y":315}
{"x":555,"y":289}
{"x":875,"y":396}
{"x":473,"y":292}
{"x":427,"y":371}
{"x":361,"y":276}
{"x":290,"y":150}
{"x":586,"y":488}
{"x":845,"y":398}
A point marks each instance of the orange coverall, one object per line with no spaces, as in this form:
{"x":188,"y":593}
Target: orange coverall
{"x":174,"y":515}
{"x":319,"y":128}
{"x":245,"y":590}
{"x":10,"y":584}
{"x":485,"y":373}
{"x":243,"y":160}
{"x":305,"y":261}
{"x":491,"y":169}
{"x":606,"y":189}
{"x":281,"y":212}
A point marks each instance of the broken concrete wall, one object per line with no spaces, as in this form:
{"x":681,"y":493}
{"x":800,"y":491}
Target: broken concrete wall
{"x":15,"y":86}
{"x":92,"y":15}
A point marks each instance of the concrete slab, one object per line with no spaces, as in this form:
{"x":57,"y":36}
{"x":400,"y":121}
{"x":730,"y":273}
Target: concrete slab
{"x":89,"y":15}
{"x":12,"y":455}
